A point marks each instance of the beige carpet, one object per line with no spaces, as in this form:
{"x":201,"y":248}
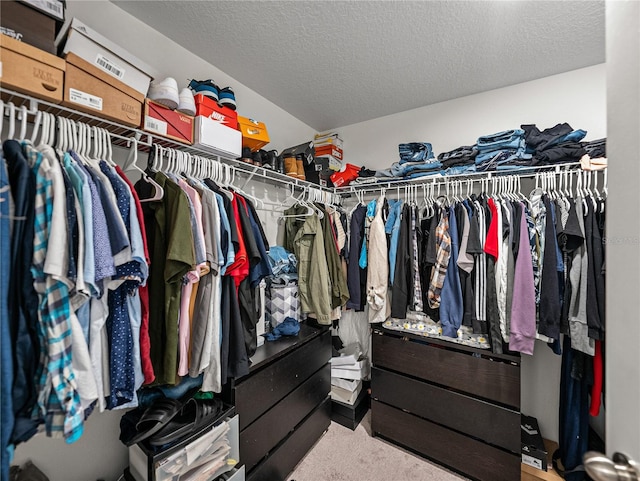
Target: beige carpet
{"x":345,"y":455}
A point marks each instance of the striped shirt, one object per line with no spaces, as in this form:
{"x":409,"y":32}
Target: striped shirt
{"x":58,"y":399}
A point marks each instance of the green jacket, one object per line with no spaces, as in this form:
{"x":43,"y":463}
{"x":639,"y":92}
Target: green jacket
{"x":313,"y":272}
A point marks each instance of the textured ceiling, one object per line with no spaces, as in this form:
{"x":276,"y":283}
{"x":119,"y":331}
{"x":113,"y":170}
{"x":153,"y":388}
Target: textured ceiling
{"x":335,"y":63}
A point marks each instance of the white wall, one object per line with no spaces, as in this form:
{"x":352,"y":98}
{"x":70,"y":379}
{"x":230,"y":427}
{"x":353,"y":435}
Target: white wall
{"x":577,"y":97}
{"x":623,"y":229}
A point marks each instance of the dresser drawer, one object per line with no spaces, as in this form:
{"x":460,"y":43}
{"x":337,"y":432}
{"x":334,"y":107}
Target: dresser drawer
{"x":494,"y":380}
{"x":257,"y":393}
{"x":269,"y":429}
{"x":457,"y":451}
{"x":490,"y":423}
{"x":286,"y":456}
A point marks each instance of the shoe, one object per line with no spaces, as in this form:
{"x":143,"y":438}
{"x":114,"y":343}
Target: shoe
{"x":165,"y":92}
{"x":300,"y":168}
{"x":227,"y":98}
{"x":195,"y":415}
{"x":187,"y":104}
{"x":291,"y":167}
{"x":204,"y":87}
{"x":154,"y":418}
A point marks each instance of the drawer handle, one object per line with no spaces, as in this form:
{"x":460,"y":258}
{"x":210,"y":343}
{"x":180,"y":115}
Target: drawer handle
{"x":50,"y":88}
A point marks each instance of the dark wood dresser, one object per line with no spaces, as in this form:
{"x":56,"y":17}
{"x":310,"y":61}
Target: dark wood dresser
{"x":283,"y":403}
{"x":456,"y":405}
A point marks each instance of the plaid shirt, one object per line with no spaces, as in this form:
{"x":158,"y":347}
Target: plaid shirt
{"x":443,"y":244}
{"x":58,"y":398}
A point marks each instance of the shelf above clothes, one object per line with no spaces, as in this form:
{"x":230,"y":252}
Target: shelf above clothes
{"x":121,"y":136}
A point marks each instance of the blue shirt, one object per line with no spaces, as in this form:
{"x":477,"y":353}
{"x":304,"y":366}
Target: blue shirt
{"x":6,"y":356}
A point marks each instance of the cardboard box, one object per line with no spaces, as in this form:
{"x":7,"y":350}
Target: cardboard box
{"x":100,"y":52}
{"x":28,"y":25}
{"x":330,"y":150}
{"x":29,"y":70}
{"x":52,"y":8}
{"x":208,"y":107}
{"x":216,"y":138}
{"x":534,"y":452}
{"x":89,"y":89}
{"x":161,"y":120}
{"x":254,"y":133}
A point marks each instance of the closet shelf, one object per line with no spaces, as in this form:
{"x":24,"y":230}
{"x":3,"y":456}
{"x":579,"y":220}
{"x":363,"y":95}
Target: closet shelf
{"x":122,"y":134}
{"x":393,"y":183}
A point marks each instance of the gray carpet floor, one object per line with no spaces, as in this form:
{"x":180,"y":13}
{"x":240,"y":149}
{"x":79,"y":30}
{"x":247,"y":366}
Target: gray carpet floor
{"x":345,"y":455}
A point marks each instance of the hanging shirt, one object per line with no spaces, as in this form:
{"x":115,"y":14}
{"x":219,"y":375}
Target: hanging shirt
{"x":392,"y":228}
{"x":22,"y":298}
{"x":443,"y":253}
{"x":451,"y":308}
{"x":378,"y":272}
{"x":417,"y":283}
{"x":143,"y":290}
{"x":6,"y":355}
{"x":355,"y":275}
{"x":371,"y":212}
{"x":403,"y":281}
{"x":522,"y":333}
{"x":58,"y":396}
{"x":172,"y":257}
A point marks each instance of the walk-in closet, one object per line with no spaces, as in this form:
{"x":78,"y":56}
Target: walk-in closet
{"x":319,"y":240}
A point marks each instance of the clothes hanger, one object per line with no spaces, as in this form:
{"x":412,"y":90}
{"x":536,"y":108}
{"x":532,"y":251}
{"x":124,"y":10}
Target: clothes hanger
{"x":12,"y":120}
{"x":159,"y":191}
{"x":22,"y":116}
{"x":36,"y":127}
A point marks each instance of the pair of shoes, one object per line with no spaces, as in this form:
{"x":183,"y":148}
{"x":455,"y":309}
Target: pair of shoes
{"x":224,"y":96}
{"x":165,"y":92}
{"x":294,"y":167}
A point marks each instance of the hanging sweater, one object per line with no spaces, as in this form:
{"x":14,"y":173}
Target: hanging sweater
{"x":522,"y":334}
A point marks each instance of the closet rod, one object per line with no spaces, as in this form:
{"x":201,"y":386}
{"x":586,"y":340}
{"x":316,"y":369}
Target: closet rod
{"x":438,"y":179}
{"x":146,"y":139}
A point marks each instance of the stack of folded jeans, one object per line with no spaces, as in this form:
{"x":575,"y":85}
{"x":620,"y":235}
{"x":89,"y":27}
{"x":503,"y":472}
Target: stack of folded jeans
{"x":416,"y":160}
{"x":415,"y":152}
{"x":459,"y":161}
{"x":502,"y":151}
{"x":558,"y":144}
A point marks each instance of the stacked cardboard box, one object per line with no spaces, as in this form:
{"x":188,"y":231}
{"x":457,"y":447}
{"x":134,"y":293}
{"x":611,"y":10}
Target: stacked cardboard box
{"x":328,"y":155}
{"x":347,"y":372}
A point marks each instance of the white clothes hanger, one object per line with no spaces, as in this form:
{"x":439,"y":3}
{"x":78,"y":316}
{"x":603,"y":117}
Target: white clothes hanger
{"x":12,"y":120}
{"x":159,"y":191}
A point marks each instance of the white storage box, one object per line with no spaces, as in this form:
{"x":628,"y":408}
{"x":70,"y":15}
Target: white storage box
{"x":92,"y":47}
{"x":217,"y":138}
{"x":201,"y":452}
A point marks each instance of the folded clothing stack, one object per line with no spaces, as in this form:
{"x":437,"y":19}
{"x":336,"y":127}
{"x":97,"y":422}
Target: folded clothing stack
{"x":416,"y":160}
{"x":459,"y":161}
{"x":596,"y":155}
{"x":558,"y":144}
{"x":504,"y":150}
